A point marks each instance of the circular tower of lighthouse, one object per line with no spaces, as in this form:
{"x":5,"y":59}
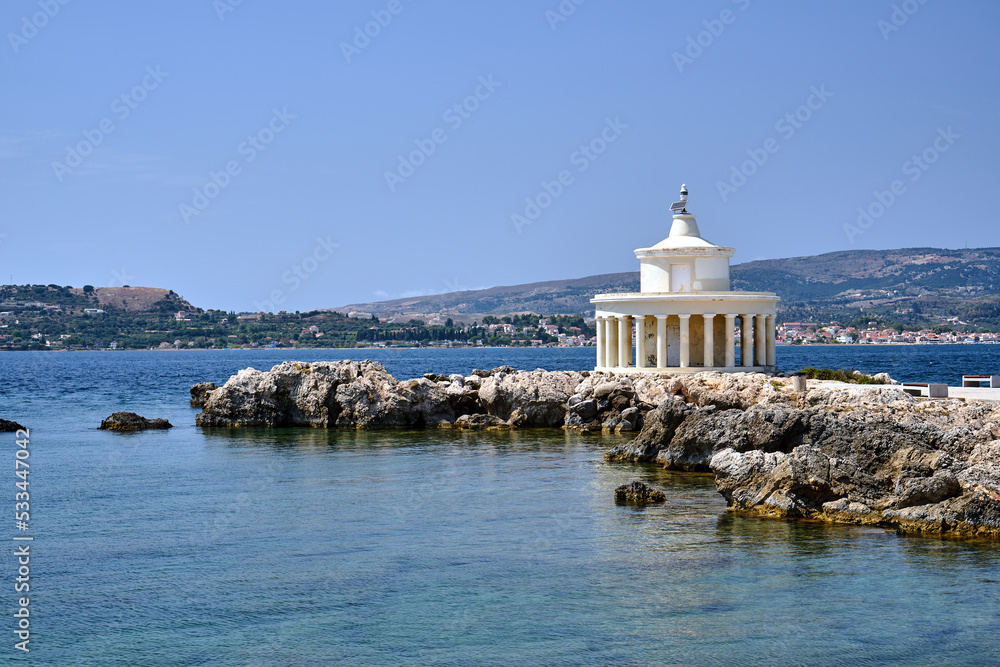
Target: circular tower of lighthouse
{"x":684,"y":261}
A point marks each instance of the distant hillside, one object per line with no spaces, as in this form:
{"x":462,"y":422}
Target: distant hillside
{"x":550,"y":297}
{"x":907,"y":285}
{"x":53,"y":317}
{"x":915,"y":270}
{"x":114,"y":299}
{"x":137,"y":299}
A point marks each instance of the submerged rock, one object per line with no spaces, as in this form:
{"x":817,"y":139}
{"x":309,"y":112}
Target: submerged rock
{"x":9,"y":426}
{"x":638,"y":493}
{"x":481,"y":422}
{"x":130,"y":421}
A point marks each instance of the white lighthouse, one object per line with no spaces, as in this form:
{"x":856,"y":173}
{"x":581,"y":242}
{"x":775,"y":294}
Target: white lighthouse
{"x":684,"y":317}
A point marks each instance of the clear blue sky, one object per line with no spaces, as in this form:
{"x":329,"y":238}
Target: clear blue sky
{"x":309,"y":129}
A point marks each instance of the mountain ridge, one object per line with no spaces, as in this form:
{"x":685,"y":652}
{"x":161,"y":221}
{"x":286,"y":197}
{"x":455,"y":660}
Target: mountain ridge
{"x":902,"y":282}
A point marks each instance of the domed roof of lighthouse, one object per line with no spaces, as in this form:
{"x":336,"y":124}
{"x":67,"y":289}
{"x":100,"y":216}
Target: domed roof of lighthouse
{"x":684,"y":232}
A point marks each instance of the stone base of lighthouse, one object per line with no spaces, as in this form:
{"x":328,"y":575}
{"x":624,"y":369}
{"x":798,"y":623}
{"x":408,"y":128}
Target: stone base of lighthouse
{"x":769,"y":370}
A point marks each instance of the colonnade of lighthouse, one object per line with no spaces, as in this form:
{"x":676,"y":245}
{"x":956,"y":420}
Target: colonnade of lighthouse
{"x":619,"y":346}
{"x":684,"y":318}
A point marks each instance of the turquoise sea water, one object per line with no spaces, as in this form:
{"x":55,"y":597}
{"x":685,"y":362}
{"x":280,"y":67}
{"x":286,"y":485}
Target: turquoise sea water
{"x":308,"y":547}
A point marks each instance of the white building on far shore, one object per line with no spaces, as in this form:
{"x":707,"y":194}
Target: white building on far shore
{"x":684,"y":317}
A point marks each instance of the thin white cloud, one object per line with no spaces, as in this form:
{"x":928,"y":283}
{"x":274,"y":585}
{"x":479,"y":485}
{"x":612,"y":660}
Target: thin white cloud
{"x":22,"y":144}
{"x":115,"y":165}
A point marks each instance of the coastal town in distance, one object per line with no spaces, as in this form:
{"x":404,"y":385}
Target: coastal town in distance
{"x":39,"y":317}
{"x":904,"y":296}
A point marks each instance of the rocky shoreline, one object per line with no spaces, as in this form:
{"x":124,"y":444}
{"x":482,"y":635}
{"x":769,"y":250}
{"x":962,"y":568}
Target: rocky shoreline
{"x":862,"y":454}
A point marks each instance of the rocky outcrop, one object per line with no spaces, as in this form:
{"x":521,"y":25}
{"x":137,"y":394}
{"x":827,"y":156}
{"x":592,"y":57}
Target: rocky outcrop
{"x":660,"y":426}
{"x":200,"y":392}
{"x":9,"y":426}
{"x":638,"y":493}
{"x":528,"y":398}
{"x":130,"y":421}
{"x":612,"y":403}
{"x":362,"y":394}
{"x":325,"y":394}
{"x":858,"y":454}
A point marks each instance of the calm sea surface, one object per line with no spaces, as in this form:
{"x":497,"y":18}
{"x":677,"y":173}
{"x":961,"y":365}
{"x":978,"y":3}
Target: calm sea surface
{"x":308,"y":547}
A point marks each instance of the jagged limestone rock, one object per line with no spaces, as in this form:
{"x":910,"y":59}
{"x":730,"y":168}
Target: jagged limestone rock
{"x":529,"y":398}
{"x":845,"y":453}
{"x":200,"y":392}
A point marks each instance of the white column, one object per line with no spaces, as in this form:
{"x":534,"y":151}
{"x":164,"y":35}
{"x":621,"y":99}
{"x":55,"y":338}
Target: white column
{"x":730,"y":340}
{"x":685,"y":340}
{"x":612,"y":341}
{"x":624,"y":341}
{"x":746,"y":344}
{"x":661,"y":341}
{"x":602,"y":352}
{"x":709,"y":339}
{"x":640,"y":342}
{"x":760,"y":347}
{"x":772,"y":357}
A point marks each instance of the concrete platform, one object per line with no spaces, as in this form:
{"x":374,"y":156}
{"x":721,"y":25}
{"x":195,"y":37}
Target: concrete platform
{"x":975,"y":393}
